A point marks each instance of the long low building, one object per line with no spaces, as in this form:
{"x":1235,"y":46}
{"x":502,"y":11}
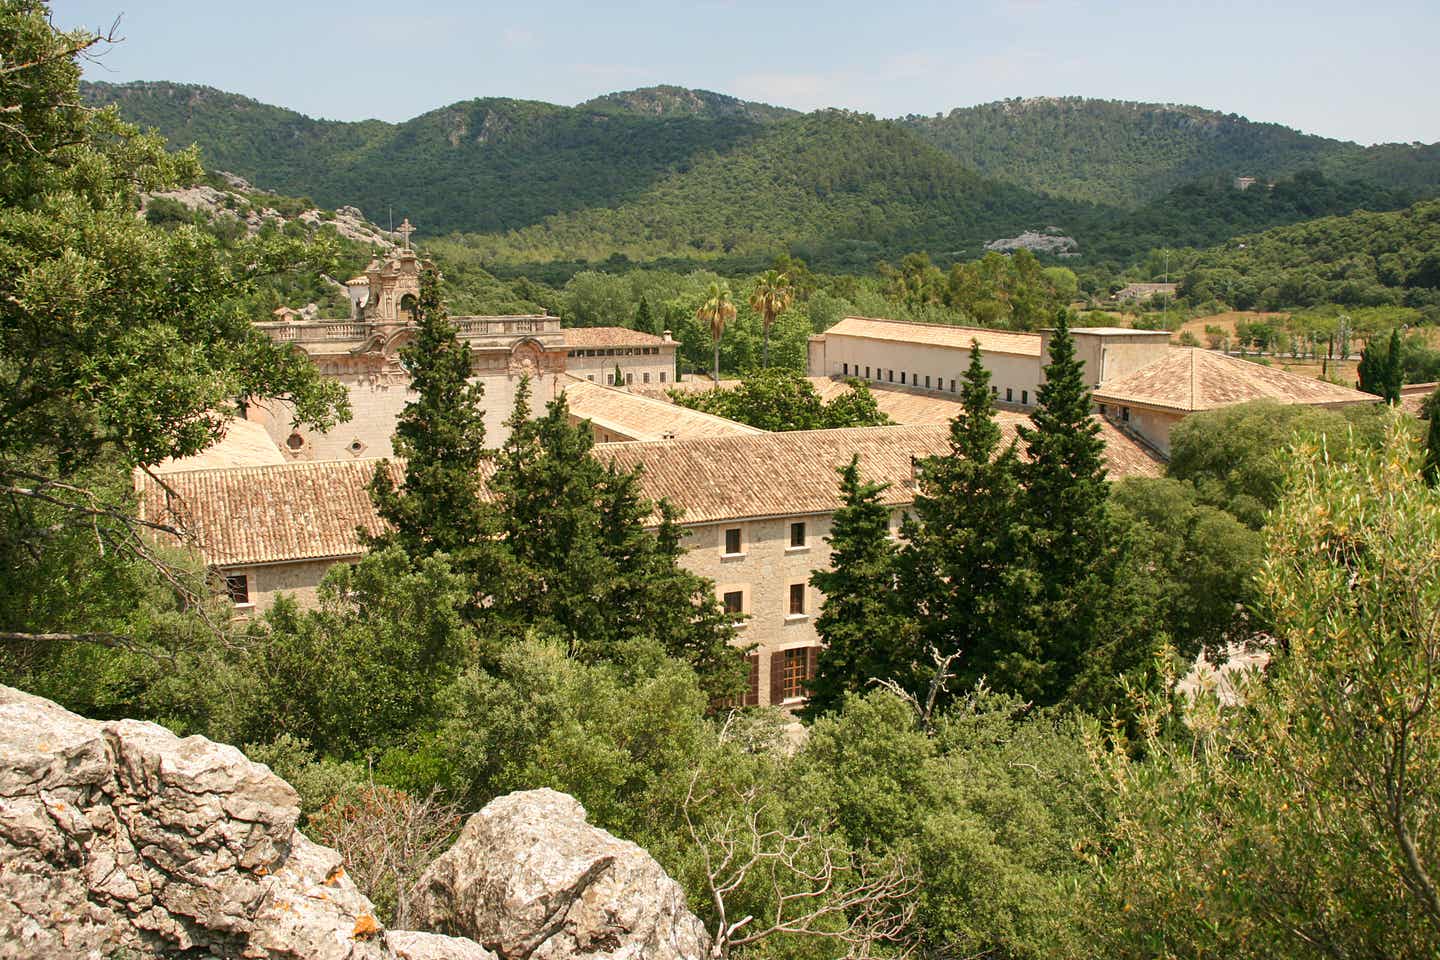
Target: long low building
{"x":934,"y":356}
{"x":756,"y":509}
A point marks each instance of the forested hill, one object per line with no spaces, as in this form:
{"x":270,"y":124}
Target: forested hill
{"x":837,"y":188}
{"x":687,"y":176}
{"x":1123,"y":153}
{"x":479,"y":165}
{"x":1364,"y":259}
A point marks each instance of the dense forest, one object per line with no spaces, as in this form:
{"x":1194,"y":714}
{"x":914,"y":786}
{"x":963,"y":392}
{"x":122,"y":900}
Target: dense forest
{"x":1122,"y":153}
{"x":684,"y":179}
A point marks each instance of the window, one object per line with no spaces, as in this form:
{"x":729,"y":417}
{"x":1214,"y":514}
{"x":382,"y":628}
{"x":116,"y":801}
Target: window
{"x":735,"y":602}
{"x":662,"y":376}
{"x":845,"y":369}
{"x":797,"y":534}
{"x":796,"y":667}
{"x":647,"y":378}
{"x":1025,"y":396}
{"x":867,"y":373}
{"x":610,"y":379}
{"x":732,"y":541}
{"x":590,"y":377}
{"x":237,"y":585}
{"x":1125,"y":414}
{"x":952,"y":384}
{"x":629,"y":379}
{"x":892,"y":375}
{"x":994,"y":391}
{"x":902,"y":376}
{"x":927,"y":381}
{"x":1102,"y":409}
{"x":797,"y":599}
{"x":1009,"y":395}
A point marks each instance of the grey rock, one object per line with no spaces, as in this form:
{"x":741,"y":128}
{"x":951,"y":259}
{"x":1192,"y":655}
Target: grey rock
{"x":530,"y":878}
{"x":124,"y":837}
{"x":412,"y":945}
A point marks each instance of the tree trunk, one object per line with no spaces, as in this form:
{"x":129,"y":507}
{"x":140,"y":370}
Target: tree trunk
{"x":765,"y":353}
{"x":715,"y":384}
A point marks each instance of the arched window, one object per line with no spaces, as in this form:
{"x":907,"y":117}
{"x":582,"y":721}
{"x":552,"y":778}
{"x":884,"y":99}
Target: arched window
{"x":409,"y":307}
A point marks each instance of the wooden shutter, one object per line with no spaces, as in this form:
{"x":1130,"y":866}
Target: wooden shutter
{"x":752,"y":690}
{"x":812,"y":664}
{"x":777,"y":679}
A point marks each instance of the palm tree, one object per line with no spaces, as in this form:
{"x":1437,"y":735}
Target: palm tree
{"x":770,"y":297}
{"x":717,"y":310}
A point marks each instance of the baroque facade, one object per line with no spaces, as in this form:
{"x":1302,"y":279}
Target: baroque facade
{"x":363,"y":353}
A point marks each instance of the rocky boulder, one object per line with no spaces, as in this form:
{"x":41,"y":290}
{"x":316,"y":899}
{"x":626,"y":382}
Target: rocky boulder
{"x":530,"y":878}
{"x":122,"y":838}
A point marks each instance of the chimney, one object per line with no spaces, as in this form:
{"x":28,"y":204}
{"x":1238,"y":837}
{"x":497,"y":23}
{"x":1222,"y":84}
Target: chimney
{"x":668,"y":338}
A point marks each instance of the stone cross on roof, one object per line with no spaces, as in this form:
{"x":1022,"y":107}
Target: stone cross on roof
{"x":405,"y":229}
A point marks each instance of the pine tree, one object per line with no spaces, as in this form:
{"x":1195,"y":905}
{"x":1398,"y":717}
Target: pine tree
{"x":960,"y":546}
{"x":1369,"y":372}
{"x":582,"y":565}
{"x":643,"y":318}
{"x":441,"y":437}
{"x":863,"y":621}
{"x":1394,"y":374}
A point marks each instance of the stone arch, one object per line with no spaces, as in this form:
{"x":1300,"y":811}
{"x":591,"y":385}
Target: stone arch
{"x":409,"y":307}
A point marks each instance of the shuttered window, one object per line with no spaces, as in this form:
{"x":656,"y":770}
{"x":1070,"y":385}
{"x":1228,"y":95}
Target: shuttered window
{"x":797,"y":599}
{"x":792,"y":668}
{"x":237,"y":586}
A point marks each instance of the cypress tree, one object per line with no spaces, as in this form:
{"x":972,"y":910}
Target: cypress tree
{"x":1369,"y":372}
{"x":959,"y":544}
{"x":1067,"y":536}
{"x":643,"y":318}
{"x":441,"y":436}
{"x":1431,"y":468}
{"x":863,"y":622}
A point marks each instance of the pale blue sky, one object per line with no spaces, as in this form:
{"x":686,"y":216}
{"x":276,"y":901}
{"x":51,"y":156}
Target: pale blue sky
{"x":1358,"y":71}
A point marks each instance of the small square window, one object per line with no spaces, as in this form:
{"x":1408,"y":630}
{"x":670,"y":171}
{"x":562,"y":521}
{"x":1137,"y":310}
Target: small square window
{"x":797,"y":599}
{"x":590,"y":377}
{"x":732,"y":541}
{"x":237,"y":587}
{"x":797,"y":534}
{"x":735,"y":602}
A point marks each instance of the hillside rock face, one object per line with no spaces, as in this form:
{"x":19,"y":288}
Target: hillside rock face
{"x":122,"y":839}
{"x":529,"y":878}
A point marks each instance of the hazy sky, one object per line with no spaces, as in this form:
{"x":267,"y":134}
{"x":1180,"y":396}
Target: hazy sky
{"x":1359,"y":71}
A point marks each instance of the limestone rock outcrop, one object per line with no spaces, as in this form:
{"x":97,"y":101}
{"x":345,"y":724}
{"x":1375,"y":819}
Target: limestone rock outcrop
{"x":123,"y":839}
{"x":530,"y":878}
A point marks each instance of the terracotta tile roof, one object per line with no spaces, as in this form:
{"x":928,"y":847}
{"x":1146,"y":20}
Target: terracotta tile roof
{"x":311,"y":510}
{"x":938,"y":335}
{"x":271,"y":514}
{"x":1191,"y":379}
{"x":644,"y":417}
{"x":589,"y":337}
{"x":781,"y":474}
